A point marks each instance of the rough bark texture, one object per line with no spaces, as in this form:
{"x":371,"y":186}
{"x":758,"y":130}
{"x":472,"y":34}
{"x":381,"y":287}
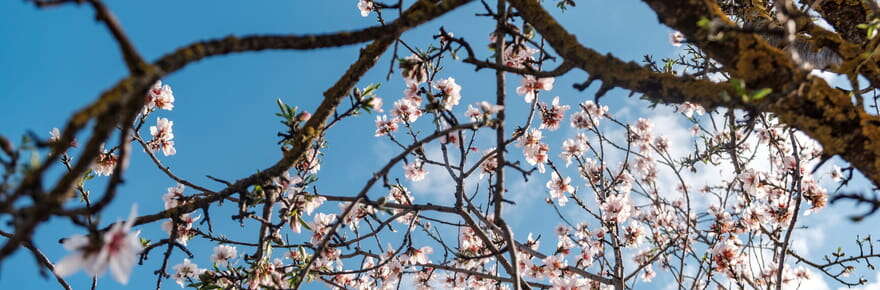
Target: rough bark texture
{"x":804,"y":102}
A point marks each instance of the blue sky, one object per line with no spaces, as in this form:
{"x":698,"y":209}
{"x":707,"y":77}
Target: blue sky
{"x":57,"y":60}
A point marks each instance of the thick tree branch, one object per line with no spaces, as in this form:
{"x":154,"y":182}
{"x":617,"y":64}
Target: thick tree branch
{"x":800,"y":100}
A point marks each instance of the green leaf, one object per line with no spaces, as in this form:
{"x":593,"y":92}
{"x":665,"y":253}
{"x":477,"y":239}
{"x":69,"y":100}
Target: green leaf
{"x":369,"y":90}
{"x":282,"y":107}
{"x":760,"y":94}
{"x":144,"y":242}
{"x":303,"y":222}
{"x":739,"y":86}
{"x":704,"y":22}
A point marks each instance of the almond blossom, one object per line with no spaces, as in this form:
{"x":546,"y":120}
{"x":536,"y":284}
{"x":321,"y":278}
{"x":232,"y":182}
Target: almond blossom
{"x":676,"y":38}
{"x":727,"y":257}
{"x":616,"y":208}
{"x":405,"y":110}
{"x":173,"y":196}
{"x":553,"y":265}
{"x":451,"y":91}
{"x":54,"y":135}
{"x":116,"y":249}
{"x":531,"y":138}
{"x":385,"y":126}
{"x":568,"y":283}
{"x":589,"y":115}
{"x":530,"y":84}
{"x":517,"y":56}
{"x":450,"y":138}
{"x":357,"y":213}
{"x":688,"y":109}
{"x":401,"y":195}
{"x":552,"y":116}
{"x":365,"y":7}
{"x":162,"y":137}
{"x":159,"y":96}
{"x":183,"y":228}
{"x":311,"y":161}
{"x":320,"y":226}
{"x":490,"y":163}
{"x":185,"y":271}
{"x":223,"y":253}
{"x":558,"y":187}
{"x":105,"y":163}
{"x":415,"y":171}
{"x":375,"y":103}
{"x":419,"y":256}
{"x":307,"y":203}
{"x":413,"y":69}
{"x":412,"y":93}
{"x":537,"y":155}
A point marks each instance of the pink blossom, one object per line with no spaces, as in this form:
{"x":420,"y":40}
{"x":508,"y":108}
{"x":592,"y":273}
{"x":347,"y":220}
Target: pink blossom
{"x":412,"y":93}
{"x":162,"y":136}
{"x":415,"y":171}
{"x":537,"y":155}
{"x":617,"y":208}
{"x":572,"y":148}
{"x":519,"y":55}
{"x":568,"y":283}
{"x":490,"y":164}
{"x":173,"y":196}
{"x":530,"y":138}
{"x":676,"y":38}
{"x":117,"y":249}
{"x":558,"y":187}
{"x":223,"y":253}
{"x":595,"y":110}
{"x":105,"y":163}
{"x":375,"y":103}
{"x":451,"y":91}
{"x":186,"y":270}
{"x":420,"y":256}
{"x":406,"y":110}
{"x":589,"y":116}
{"x":553,"y":265}
{"x":183,"y":228}
{"x":530,"y":85}
{"x":473,"y":113}
{"x":726,"y":255}
{"x":648,"y":274}
{"x":385,"y":126}
{"x":365,"y":7}
{"x":54,"y":135}
{"x":320,"y":226}
{"x":552,"y":115}
{"x":414,"y":70}
{"x":695,"y":130}
{"x":159,"y":96}
{"x":688,"y":109}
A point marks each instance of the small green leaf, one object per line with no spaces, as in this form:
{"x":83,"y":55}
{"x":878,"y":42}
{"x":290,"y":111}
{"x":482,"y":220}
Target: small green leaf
{"x":303,"y":222}
{"x":369,"y":90}
{"x":704,"y":22}
{"x":760,"y":94}
{"x":739,"y":86}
